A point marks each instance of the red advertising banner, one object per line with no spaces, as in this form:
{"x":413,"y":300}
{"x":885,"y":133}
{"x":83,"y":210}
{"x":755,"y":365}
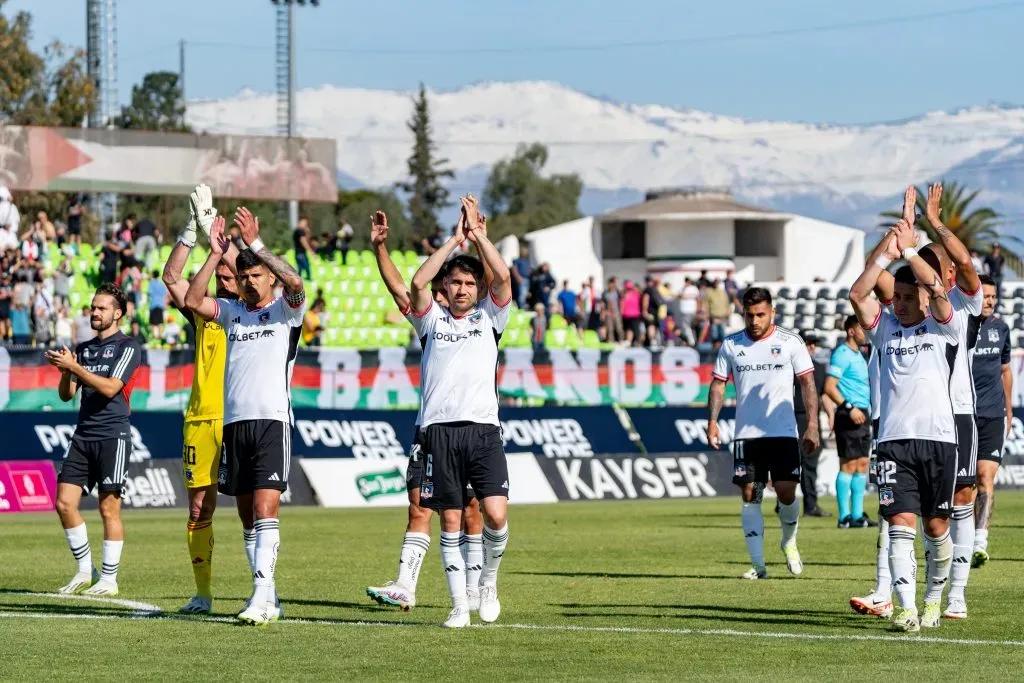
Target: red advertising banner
{"x":27,"y":486}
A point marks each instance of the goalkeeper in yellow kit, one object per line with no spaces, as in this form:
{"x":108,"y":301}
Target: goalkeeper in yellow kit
{"x":201,"y":450}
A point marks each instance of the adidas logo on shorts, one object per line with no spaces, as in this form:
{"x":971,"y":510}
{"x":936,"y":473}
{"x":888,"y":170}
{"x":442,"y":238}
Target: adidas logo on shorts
{"x":274,"y":477}
{"x":962,"y":473}
{"x":107,"y":480}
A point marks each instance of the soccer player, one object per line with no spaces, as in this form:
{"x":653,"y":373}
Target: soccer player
{"x":763,"y":360}
{"x":200,"y":453}
{"x":993,"y":388}
{"x":263,"y":335}
{"x":917,"y":442}
{"x":104,"y":368}
{"x":848,"y":387}
{"x":461,"y":435}
{"x":402,"y":591}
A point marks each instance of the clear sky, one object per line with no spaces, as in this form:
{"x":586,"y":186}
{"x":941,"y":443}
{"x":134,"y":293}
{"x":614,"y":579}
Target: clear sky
{"x":750,"y":58}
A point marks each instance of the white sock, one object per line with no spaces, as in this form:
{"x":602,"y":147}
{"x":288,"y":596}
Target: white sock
{"x":981,"y":539}
{"x":961,"y":528}
{"x":78,"y":541}
{"x":883,"y":577}
{"x":938,"y":553}
{"x":454,"y":567}
{"x":111,"y":559}
{"x":495,"y":541}
{"x":789,"y":515}
{"x":268,"y":540}
{"x":473,"y":553}
{"x":249,"y":536}
{"x":903,"y":564}
{"x":410,"y":561}
{"x":753,"y":531}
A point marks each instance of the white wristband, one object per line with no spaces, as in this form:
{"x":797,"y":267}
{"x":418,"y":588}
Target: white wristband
{"x":883,"y":262}
{"x":256,"y":245}
{"x":908,"y":252}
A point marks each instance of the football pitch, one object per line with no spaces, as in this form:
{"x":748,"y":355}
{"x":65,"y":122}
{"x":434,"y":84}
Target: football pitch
{"x":625,"y":590}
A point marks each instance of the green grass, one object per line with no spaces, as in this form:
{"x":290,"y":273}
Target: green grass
{"x":650,"y":566}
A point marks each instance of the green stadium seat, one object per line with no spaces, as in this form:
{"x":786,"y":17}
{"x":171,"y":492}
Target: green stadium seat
{"x":331,"y":336}
{"x":319,"y":271}
{"x":412,"y":258}
{"x":591,"y":340}
{"x":366,"y":258}
{"x":338,"y":319}
{"x":375,"y":288}
{"x":398,"y":258}
{"x":85,"y":252}
{"x":557,"y":323}
{"x":555,"y":339}
{"x":335,"y":272}
{"x":356,"y":319}
{"x":377,"y":336}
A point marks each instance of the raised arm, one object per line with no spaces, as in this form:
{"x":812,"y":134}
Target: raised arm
{"x":176,"y":285}
{"x":884,"y":286}
{"x":501,"y":284}
{"x":249,"y":226}
{"x":488,"y":273}
{"x":197,"y":298}
{"x":941,"y":307}
{"x":420,"y":289}
{"x":966,"y":275}
{"x":865,"y":306}
{"x":716,"y":397}
{"x":388,"y":272}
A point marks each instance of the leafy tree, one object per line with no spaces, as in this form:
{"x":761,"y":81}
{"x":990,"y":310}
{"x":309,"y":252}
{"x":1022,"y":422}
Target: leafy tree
{"x":156,"y":104}
{"x":48,"y":89}
{"x":355,"y":208}
{"x":427,"y":193}
{"x":520,"y":199}
{"x":976,"y":227}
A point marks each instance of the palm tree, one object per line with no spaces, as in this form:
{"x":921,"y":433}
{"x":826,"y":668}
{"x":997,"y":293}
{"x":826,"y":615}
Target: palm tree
{"x":976,"y":228}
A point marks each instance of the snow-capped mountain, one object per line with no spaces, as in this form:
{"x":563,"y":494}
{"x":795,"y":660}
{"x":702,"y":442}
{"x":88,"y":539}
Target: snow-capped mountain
{"x":837,"y":172}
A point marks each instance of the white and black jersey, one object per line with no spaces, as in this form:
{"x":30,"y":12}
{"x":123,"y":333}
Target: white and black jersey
{"x":459,"y":366}
{"x":763,"y":371}
{"x":262,"y":344}
{"x":967,"y":307}
{"x":916,"y":367}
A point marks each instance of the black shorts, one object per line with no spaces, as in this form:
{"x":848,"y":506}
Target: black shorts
{"x":852,"y":440}
{"x":255,"y":454}
{"x":772,"y":458}
{"x":459,"y":455}
{"x":414,"y":471}
{"x":102,"y":464}
{"x":915,"y":475}
{"x":872,"y":474}
{"x":991,"y":432}
{"x":967,"y":450}
{"x":156,"y":316}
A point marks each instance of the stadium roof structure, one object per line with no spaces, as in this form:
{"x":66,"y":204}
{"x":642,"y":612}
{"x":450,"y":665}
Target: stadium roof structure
{"x":691,"y":204}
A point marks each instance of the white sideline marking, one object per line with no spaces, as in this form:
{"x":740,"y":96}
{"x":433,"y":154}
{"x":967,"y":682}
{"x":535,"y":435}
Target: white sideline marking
{"x":144,"y":610}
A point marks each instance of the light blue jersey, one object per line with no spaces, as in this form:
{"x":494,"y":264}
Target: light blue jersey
{"x":850,"y":368}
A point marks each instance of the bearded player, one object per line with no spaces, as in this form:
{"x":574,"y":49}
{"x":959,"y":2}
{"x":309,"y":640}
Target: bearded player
{"x":200,"y":453}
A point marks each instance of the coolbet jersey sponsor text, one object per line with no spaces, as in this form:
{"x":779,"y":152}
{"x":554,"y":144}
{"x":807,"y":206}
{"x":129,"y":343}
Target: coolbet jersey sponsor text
{"x":459,"y":366}
{"x":763,"y":372}
{"x":118,"y":357}
{"x":966,"y":307}
{"x":916,"y":367}
{"x":206,"y":402}
{"x":989,"y":355}
{"x":261,"y":348}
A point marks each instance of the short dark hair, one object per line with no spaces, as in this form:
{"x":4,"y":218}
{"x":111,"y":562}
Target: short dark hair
{"x":756,"y":295}
{"x":245,"y":260}
{"x":110,"y":289}
{"x":156,"y":274}
{"x":438,"y":282}
{"x":850,"y":322}
{"x":932,"y":259}
{"x":905,"y":275}
{"x":467,"y":263}
{"x":987,"y":280}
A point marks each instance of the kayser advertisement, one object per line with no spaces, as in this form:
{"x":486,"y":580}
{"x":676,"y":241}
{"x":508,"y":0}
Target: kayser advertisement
{"x":358,"y":458}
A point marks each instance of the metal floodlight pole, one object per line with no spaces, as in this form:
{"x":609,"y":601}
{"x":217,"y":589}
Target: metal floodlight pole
{"x":293,"y":205}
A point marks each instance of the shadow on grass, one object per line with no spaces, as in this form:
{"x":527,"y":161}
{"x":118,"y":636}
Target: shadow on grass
{"x":368,"y":605}
{"x":631,"y":575}
{"x":807,"y":564}
{"x":722,"y":613}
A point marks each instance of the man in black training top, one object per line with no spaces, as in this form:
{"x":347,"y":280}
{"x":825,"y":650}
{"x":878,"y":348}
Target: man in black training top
{"x":104,"y":368}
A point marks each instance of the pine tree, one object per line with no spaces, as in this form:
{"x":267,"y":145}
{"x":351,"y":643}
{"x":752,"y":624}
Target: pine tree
{"x":427,"y":193}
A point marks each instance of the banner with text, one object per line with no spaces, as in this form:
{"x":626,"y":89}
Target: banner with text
{"x":389,"y":378}
{"x":675,"y":430}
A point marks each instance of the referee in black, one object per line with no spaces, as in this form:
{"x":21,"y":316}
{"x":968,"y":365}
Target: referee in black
{"x":809,"y":465}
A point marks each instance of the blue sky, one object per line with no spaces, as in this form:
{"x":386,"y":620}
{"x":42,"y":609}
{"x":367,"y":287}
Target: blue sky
{"x":880,"y":69}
